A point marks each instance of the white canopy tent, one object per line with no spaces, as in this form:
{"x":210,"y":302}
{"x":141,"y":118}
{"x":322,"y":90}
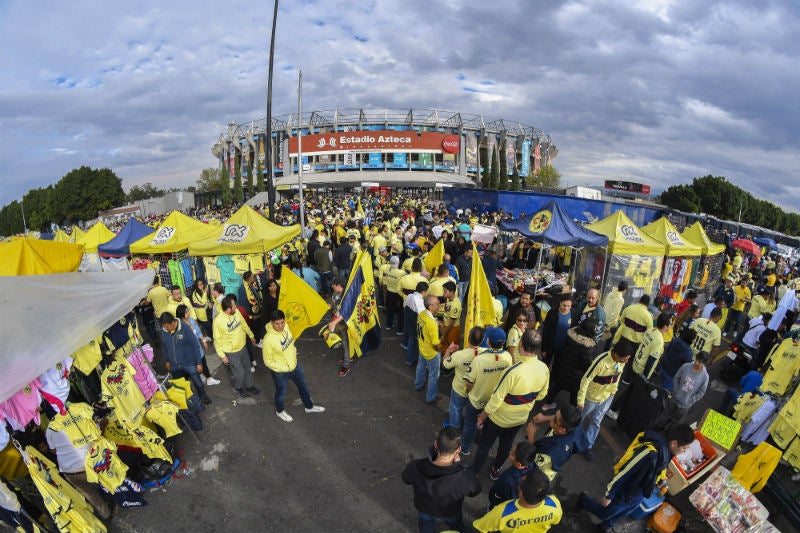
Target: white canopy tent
{"x":47,"y":317}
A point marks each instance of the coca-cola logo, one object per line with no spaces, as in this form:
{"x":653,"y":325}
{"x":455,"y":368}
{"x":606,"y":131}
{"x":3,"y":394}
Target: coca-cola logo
{"x":450,"y":144}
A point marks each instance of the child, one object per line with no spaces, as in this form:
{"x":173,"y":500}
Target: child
{"x":505,"y":488}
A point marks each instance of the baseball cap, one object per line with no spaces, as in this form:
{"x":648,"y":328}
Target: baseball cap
{"x":496,"y":337}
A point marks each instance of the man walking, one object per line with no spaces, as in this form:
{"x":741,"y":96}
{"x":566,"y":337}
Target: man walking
{"x":183,"y":353}
{"x":441,"y":483}
{"x":280,"y":356}
{"x":230,"y":338}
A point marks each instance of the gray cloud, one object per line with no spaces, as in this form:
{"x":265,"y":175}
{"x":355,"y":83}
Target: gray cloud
{"x":658,"y":91}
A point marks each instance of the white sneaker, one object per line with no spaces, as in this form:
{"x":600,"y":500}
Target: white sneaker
{"x":259,"y":345}
{"x":212,"y":381}
{"x":612,"y":414}
{"x":254,"y":363}
{"x":316,"y":409}
{"x":286,"y":417}
{"x":252,"y":369}
{"x":206,"y":339}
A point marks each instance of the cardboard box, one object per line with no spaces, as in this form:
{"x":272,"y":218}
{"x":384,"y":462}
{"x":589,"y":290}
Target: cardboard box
{"x":712,"y":426}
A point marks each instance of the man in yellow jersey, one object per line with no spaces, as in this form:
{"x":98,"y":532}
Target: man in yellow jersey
{"x":481,"y":378}
{"x":230,"y":338}
{"x":460,"y":362}
{"x":507,"y":410}
{"x":280,"y":356}
{"x":451,"y":315}
{"x":394,"y":296}
{"x":708,"y":334}
{"x":736,"y":311}
{"x":430,"y":355}
{"x":158,"y":295}
{"x":534,"y":511}
{"x":177,"y":298}
{"x":634,"y":322}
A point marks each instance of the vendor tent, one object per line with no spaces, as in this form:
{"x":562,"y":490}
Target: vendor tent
{"x":75,"y":234}
{"x":766,"y":241}
{"x":75,"y":308}
{"x":747,"y":245}
{"x":173,"y":235}
{"x":633,"y":256}
{"x":552,"y":225}
{"x":119,"y":246}
{"x":696,"y":233}
{"x":61,"y":236}
{"x":22,"y":257}
{"x":94,"y":237}
{"x":682,"y":258}
{"x":245,"y":232}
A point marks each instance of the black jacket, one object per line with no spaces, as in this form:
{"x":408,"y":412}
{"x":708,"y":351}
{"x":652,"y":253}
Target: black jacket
{"x":440,"y":490}
{"x":573,"y":360}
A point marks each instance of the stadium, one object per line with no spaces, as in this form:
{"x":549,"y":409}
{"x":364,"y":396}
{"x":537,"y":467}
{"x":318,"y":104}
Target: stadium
{"x":395,"y":148}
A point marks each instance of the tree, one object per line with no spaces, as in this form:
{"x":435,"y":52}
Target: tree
{"x":682,"y":198}
{"x":259,"y":176}
{"x":502,"y":174}
{"x":225,"y":186}
{"x":11,"y":219}
{"x":82,"y":192}
{"x":547,"y":176}
{"x":143,"y":192}
{"x":209,"y":180}
{"x":37,"y":204}
{"x":238,"y":192}
{"x":515,"y":185}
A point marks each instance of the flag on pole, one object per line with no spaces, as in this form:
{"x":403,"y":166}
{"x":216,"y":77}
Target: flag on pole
{"x":66,"y":505}
{"x":434,"y":258}
{"x":360,"y":209}
{"x":480,"y":305}
{"x":358,"y":307}
{"x":302,"y":305}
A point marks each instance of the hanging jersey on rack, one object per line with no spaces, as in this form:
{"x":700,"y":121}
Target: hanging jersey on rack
{"x":176,"y":273}
{"x":89,"y":356}
{"x":55,"y":380}
{"x":140,"y":437}
{"x":121,"y":392}
{"x":143,"y":375}
{"x":164,"y":414}
{"x":77,"y":423}
{"x":23,"y":407}
{"x":104,"y":466}
{"x":784,"y":363}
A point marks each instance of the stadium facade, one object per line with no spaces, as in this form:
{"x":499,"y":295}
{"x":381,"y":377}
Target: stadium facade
{"x":384,"y":147}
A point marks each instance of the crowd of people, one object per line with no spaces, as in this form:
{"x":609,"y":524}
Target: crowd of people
{"x":573,"y":362}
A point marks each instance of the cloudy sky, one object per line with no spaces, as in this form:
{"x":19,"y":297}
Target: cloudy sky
{"x":656,"y":91}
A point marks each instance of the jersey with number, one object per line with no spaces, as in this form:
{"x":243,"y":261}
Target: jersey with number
{"x":708,"y":335}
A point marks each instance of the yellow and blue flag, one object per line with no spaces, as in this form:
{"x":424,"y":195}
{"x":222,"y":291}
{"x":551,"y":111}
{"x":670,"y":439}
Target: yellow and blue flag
{"x":359,"y":309}
{"x":480,"y":304}
{"x":302,"y":305}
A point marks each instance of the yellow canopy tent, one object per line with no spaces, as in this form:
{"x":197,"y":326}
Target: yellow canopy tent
{"x":677,"y":245}
{"x":76,"y":234}
{"x":60,"y":236}
{"x":22,"y":257}
{"x":696,"y":233}
{"x":245,"y":232}
{"x":94,"y":237}
{"x":682,"y":261}
{"x":173,"y":235}
{"x":633,"y":256}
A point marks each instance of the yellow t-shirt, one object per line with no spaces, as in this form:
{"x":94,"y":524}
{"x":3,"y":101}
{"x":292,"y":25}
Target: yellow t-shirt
{"x":164,"y":414}
{"x":158,"y":296}
{"x":742,"y":295}
{"x":89,"y":356}
{"x":460,"y":360}
{"x":708,"y":335}
{"x":122,"y":392}
{"x":452,"y":312}
{"x":77,"y":424}
{"x":510,"y":516}
{"x":103,"y":465}
{"x":428,"y":334}
{"x":520,"y":386}
{"x":484,"y":373}
{"x":651,"y":348}
{"x":172,"y":307}
{"x":139,"y":437}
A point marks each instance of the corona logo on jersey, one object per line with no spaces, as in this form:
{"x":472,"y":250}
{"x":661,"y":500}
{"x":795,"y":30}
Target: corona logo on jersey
{"x":233,"y":233}
{"x":630,"y":233}
{"x":541,"y":221}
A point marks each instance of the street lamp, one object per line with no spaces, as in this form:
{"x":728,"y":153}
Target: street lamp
{"x":268,"y":155}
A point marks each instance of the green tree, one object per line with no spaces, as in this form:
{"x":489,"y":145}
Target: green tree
{"x":547,"y":176}
{"x":37,"y":204}
{"x":259,"y":176}
{"x":225,"y":186}
{"x":11,"y":219}
{"x":82,"y":192}
{"x":682,"y":198}
{"x":143,"y":192}
{"x":515,"y":182}
{"x":502,"y":174}
{"x":209,"y":180}
{"x":238,"y":192}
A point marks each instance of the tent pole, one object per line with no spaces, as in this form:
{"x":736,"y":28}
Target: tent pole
{"x":605,"y":272}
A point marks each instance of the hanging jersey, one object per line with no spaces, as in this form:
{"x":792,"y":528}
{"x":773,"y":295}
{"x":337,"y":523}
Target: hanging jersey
{"x":164,"y":414}
{"x":792,"y":454}
{"x":103,"y":466}
{"x":143,"y":376}
{"x":119,"y":389}
{"x":55,"y":380}
{"x":784,"y":363}
{"x":141,"y":437}
{"x":88,"y":357}
{"x":77,"y":424}
{"x":23,"y":407}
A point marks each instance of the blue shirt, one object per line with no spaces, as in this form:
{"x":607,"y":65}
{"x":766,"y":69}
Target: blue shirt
{"x":751,"y":382}
{"x":560,"y":336}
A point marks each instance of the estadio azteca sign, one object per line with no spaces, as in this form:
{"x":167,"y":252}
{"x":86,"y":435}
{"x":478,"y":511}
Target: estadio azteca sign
{"x":376,"y":141}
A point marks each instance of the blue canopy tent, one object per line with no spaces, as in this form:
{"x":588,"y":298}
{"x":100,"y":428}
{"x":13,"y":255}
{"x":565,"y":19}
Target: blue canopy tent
{"x":766,"y":241}
{"x":552,"y":226}
{"x":119,"y":246}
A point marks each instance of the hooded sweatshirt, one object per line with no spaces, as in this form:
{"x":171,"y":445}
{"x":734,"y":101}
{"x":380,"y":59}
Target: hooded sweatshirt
{"x":637,"y":476}
{"x":440,"y":490}
{"x":278,"y":349}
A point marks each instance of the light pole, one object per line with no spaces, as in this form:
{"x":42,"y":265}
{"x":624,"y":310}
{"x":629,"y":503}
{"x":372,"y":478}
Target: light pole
{"x":268,"y":155}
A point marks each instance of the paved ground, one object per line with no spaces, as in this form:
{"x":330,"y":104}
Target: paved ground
{"x":336,"y":471}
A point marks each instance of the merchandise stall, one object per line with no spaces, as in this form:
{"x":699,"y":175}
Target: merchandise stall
{"x":24,"y":257}
{"x":711,"y":261}
{"x":94,"y":237}
{"x":550,"y":226}
{"x":681,"y":261}
{"x":632,"y":256}
{"x":114,"y":253}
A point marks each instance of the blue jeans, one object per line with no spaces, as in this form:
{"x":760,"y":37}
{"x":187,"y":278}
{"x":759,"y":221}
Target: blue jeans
{"x":325,"y":279}
{"x":281,"y":379}
{"x":470,"y":426}
{"x":462,"y":290}
{"x":666,"y":380}
{"x":616,"y":510}
{"x":409,"y":324}
{"x":412,"y":348}
{"x":457,"y":403}
{"x":432,"y":367}
{"x":587,"y":430}
{"x":426,"y":522}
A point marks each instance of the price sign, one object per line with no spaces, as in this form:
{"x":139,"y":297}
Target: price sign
{"x":720,"y":429}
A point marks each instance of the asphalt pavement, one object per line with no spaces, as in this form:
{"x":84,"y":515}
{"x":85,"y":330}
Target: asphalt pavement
{"x":339,"y":470}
